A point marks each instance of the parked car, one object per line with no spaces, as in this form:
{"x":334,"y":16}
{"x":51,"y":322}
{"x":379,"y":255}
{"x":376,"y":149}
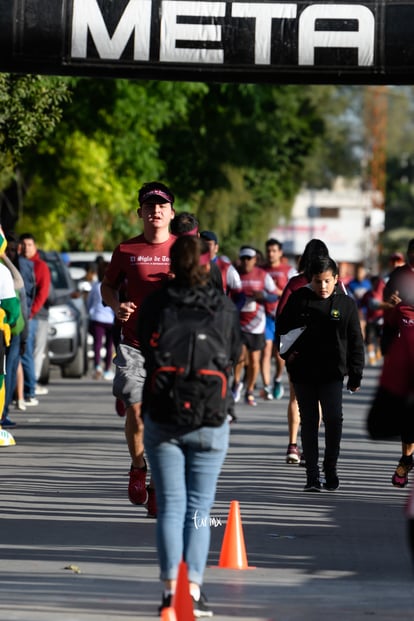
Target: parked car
{"x":68,"y":323}
{"x":79,"y":262}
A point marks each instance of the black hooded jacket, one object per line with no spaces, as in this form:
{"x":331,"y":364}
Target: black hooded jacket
{"x":331,"y":346}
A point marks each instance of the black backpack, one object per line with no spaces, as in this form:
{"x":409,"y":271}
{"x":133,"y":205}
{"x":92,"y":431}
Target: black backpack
{"x":187,"y":383}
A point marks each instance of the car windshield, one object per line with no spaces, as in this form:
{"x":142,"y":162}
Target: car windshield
{"x":60,"y":277}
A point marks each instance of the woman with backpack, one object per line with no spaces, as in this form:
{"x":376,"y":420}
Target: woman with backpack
{"x":189,"y":335}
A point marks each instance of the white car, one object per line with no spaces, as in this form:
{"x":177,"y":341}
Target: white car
{"x":68,"y":322}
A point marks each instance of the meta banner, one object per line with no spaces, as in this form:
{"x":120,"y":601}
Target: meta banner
{"x":211,"y":40}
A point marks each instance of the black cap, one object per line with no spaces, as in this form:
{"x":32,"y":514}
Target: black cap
{"x":209,"y":236}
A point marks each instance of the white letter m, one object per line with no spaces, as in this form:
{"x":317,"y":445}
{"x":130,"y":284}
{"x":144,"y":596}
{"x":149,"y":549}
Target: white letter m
{"x":87,"y":17}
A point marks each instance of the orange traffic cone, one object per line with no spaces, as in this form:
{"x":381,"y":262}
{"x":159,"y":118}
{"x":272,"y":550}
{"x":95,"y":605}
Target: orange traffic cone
{"x":182,"y":601}
{"x":233,"y":550}
{"x":168,"y":614}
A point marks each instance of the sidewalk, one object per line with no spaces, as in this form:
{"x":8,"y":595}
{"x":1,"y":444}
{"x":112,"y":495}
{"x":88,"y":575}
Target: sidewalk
{"x":336,"y":555}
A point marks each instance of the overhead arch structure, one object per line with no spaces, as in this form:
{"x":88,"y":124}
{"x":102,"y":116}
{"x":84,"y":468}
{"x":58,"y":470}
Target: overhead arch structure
{"x":271,"y":41}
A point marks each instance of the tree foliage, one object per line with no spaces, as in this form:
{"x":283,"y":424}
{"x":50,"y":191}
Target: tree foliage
{"x":400,"y":160}
{"x":88,"y":173}
{"x":339,"y":149}
{"x":241,"y":156}
{"x":233,"y":154}
{"x":30,"y":108}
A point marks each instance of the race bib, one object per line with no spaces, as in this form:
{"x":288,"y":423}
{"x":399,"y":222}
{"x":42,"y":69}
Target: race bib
{"x":249,"y":306}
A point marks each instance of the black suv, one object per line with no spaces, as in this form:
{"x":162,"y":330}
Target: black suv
{"x":68,"y":323}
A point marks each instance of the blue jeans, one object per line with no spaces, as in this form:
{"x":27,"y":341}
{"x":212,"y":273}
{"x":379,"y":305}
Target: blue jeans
{"x":185,"y":468}
{"x":28,"y":361}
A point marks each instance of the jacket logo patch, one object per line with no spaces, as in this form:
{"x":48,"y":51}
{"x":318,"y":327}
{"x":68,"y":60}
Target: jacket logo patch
{"x":335,"y":314}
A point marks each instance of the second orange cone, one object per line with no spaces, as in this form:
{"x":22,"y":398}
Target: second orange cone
{"x":168,"y":614}
{"x":233,"y":550}
{"x":182,"y":600}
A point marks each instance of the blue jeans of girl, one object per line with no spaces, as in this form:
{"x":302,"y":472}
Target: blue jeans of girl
{"x":185,"y":468}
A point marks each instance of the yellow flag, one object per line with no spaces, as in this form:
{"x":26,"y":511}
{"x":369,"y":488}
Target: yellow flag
{"x":3,"y":241}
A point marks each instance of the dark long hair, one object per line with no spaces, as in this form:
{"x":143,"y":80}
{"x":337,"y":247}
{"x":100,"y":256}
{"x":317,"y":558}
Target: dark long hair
{"x":314,"y":248}
{"x":185,"y":256}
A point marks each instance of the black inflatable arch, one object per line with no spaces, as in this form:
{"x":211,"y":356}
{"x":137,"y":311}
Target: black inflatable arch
{"x":276,"y":41}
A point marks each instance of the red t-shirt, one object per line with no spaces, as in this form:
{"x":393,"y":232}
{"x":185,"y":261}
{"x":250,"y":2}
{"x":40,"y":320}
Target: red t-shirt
{"x":252,"y":313}
{"x":223,"y":265}
{"x":397,"y":371}
{"x":296,"y":282}
{"x":371,"y":300}
{"x":141,"y":267}
{"x":280,"y":275}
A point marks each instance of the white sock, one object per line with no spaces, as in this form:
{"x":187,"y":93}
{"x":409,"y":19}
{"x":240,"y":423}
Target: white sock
{"x":168,"y":592}
{"x":195,"y":592}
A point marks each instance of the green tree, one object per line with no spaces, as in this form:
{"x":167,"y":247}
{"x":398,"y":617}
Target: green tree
{"x":338,"y":150}
{"x":240,"y":157}
{"x":85,"y":178}
{"x":399,"y":194}
{"x":400,"y":159}
{"x":30,"y":109}
{"x":234,"y":154}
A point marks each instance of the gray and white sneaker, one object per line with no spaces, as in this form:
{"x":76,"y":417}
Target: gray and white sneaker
{"x":201,"y":608}
{"x":237,"y":391}
{"x":267,"y":394}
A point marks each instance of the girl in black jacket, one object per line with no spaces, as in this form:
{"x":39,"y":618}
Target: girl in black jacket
{"x":329,"y":348}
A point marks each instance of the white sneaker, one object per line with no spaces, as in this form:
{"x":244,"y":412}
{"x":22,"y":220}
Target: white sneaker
{"x":237,"y":391}
{"x":20,"y":405}
{"x":41,"y":390}
{"x":108,"y":375}
{"x":31,"y":401}
{"x":266,"y":393}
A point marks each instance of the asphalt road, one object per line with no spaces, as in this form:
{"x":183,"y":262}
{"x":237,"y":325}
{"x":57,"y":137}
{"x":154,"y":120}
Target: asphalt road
{"x":335,"y":555}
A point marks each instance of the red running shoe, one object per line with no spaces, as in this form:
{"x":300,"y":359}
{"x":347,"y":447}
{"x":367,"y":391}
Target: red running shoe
{"x":152,"y":503}
{"x":400,"y":476}
{"x":292,"y":454}
{"x":120,"y":407}
{"x":137,"y":490}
